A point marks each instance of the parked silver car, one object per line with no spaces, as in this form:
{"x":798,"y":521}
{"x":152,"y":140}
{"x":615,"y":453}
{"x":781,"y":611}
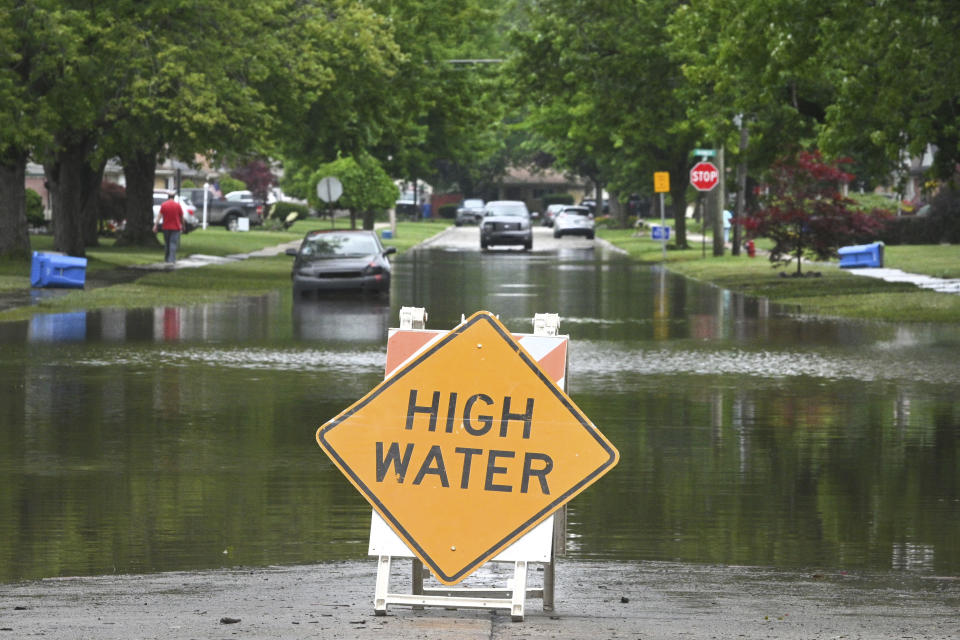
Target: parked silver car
{"x":506,"y":222}
{"x":470,"y":212}
{"x":573,"y":221}
{"x":551,"y":213}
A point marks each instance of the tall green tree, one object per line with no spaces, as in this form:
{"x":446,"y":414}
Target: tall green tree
{"x":448,"y":111}
{"x":761,"y":59}
{"x":898,"y":89}
{"x":342,"y":101}
{"x":264,"y":66}
{"x":36,"y":42}
{"x":604,"y":93}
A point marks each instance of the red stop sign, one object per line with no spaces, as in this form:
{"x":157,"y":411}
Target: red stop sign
{"x":704,"y":176}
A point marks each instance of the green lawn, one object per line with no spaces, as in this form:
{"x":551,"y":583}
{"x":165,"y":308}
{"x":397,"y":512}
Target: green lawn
{"x":837,"y":292}
{"x":186,"y":286}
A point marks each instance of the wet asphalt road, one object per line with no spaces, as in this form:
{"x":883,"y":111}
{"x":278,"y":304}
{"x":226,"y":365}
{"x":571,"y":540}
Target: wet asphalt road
{"x":648,"y":601}
{"x":467,"y":238}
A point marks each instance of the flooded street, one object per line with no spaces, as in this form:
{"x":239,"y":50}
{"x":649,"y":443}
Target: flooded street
{"x":180,"y":439}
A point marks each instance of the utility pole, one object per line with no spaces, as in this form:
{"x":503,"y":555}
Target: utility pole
{"x":719,"y":198}
{"x":740,"y":121}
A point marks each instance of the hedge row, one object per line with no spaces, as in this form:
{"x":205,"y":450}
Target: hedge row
{"x":941,"y":224}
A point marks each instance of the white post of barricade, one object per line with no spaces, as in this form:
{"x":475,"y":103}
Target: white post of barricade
{"x":548,"y":324}
{"x":413,"y":318}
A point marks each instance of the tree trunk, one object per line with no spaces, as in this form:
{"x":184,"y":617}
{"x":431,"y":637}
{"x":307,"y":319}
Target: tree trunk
{"x":139,"y":169}
{"x":718,"y":201}
{"x":799,"y":248}
{"x":618,"y":211}
{"x":75,"y":186}
{"x":678,"y":198}
{"x":368,"y":219}
{"x":741,"y":186}
{"x":91,"y":205}
{"x":14,"y":239}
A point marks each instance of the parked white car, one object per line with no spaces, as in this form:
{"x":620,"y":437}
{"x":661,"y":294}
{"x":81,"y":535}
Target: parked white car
{"x":574,"y":221}
{"x":190,"y":220}
{"x":247,"y":196}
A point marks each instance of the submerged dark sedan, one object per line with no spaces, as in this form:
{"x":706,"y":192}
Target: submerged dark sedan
{"x":341,"y":260}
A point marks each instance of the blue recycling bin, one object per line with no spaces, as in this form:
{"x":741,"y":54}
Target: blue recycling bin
{"x":386,"y":234}
{"x":861,"y":256}
{"x":53,"y":270}
{"x":58,"y":327}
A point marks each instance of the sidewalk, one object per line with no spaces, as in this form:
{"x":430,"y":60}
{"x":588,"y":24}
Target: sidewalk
{"x":201,"y":260}
{"x":647,"y":600}
{"x":941,"y":285}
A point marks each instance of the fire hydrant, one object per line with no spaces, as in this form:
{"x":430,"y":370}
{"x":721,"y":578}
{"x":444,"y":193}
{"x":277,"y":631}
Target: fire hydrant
{"x":751,"y":249}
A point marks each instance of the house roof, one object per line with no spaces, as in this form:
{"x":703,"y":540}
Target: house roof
{"x":537,"y":176}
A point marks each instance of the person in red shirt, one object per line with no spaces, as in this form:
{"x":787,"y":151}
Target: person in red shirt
{"x":170,"y":221}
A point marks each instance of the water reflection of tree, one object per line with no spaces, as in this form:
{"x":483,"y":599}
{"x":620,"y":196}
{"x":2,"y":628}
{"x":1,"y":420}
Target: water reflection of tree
{"x":808,"y":474}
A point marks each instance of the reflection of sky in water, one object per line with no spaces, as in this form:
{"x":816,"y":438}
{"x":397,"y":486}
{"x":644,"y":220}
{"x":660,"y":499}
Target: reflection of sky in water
{"x":610,"y":358}
{"x":589,"y":359}
{"x":242,"y":358}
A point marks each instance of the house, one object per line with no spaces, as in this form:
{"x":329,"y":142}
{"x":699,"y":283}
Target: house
{"x":36,"y":179}
{"x":168,"y":172}
{"x":530,"y":184}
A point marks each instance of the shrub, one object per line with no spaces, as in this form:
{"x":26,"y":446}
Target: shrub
{"x":945,"y":214}
{"x":556,"y":198}
{"x":280,"y":210}
{"x":35,"y":209}
{"x":448,"y":211}
{"x":228,"y":184}
{"x":941,"y":224}
{"x":113,"y":204}
{"x":910,"y":230}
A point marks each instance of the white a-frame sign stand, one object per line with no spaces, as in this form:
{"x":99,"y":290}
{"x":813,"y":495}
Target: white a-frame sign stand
{"x":541,"y":544}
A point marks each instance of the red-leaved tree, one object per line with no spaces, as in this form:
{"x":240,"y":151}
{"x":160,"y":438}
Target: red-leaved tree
{"x":257,"y":176}
{"x":803,"y":210}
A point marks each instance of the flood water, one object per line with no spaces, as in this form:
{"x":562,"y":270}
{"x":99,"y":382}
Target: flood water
{"x":172,"y":439}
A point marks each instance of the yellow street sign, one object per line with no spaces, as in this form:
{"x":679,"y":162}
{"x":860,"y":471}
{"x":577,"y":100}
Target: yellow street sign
{"x":467,"y":447}
{"x":661,"y":182}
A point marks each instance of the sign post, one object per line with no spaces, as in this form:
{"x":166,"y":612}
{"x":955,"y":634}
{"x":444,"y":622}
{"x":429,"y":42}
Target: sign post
{"x":464,"y":448}
{"x":661,"y":185}
{"x":704,"y":176}
{"x":329,"y":189}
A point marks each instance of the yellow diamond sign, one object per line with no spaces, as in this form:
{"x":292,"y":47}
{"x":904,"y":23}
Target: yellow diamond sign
{"x":467,"y":447}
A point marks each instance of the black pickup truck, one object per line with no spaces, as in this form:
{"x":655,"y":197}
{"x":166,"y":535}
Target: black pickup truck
{"x":222,"y":211}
